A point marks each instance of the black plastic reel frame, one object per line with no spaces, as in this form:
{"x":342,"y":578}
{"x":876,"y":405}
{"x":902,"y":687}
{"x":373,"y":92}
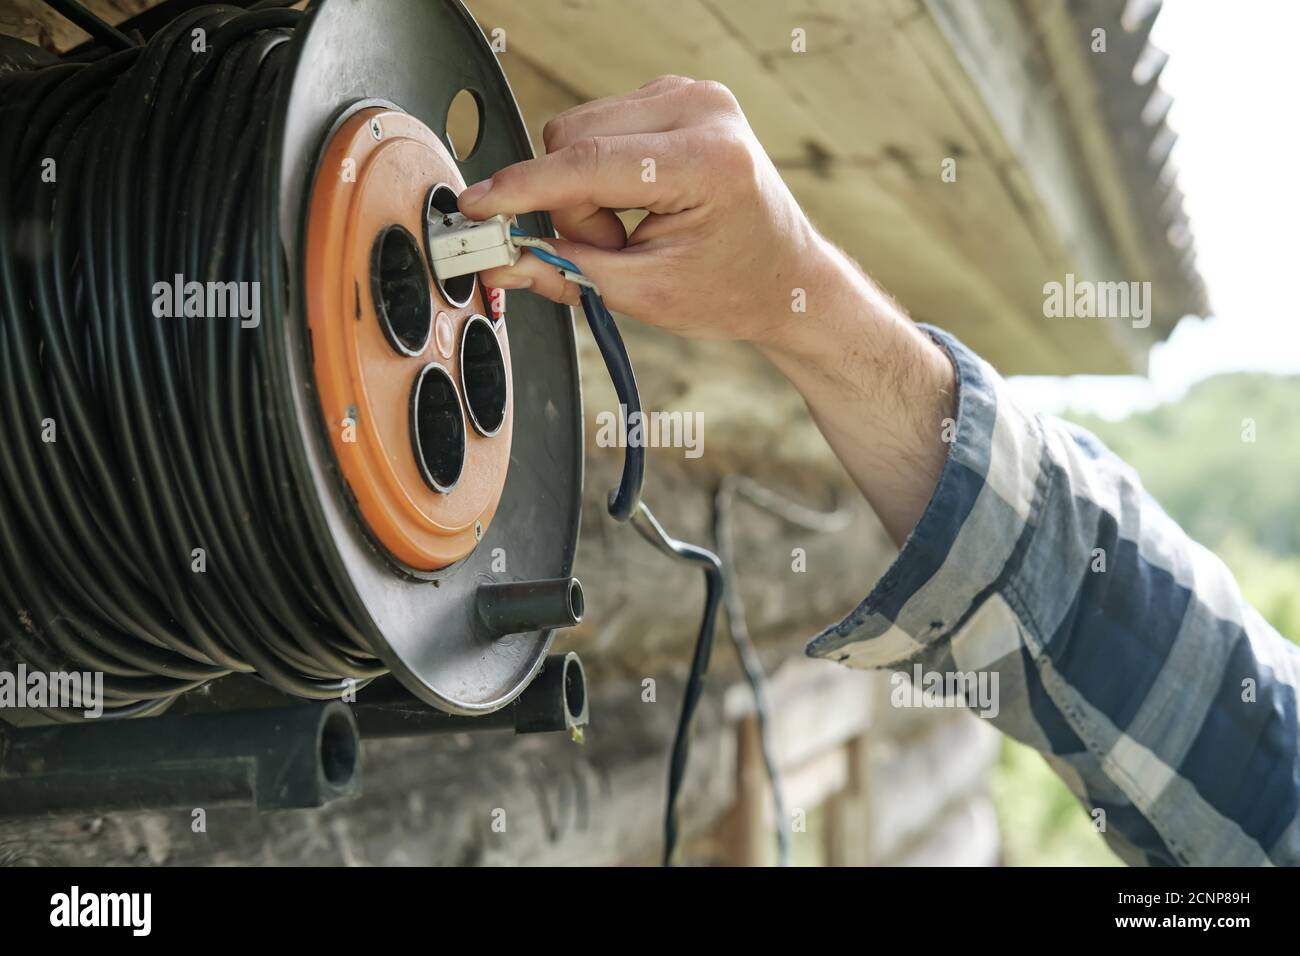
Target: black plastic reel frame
{"x":418,"y":55}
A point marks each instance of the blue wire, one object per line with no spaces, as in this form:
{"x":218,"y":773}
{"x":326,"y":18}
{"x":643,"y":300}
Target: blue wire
{"x":545,"y":256}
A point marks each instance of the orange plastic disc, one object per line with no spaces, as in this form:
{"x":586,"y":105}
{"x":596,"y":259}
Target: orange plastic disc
{"x":368,"y":288}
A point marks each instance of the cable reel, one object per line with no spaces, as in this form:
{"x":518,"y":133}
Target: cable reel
{"x":393,"y":478}
{"x":414,"y":534}
{"x":433,"y":459}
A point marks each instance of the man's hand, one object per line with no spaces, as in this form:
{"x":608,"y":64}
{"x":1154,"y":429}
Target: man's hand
{"x":717,"y":254}
{"x":725,"y":252}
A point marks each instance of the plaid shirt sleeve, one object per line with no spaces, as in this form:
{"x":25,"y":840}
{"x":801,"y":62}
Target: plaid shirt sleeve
{"x":1122,"y":650}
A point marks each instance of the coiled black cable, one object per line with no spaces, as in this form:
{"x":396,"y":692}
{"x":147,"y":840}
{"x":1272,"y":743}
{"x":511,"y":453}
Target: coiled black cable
{"x":149,"y":528}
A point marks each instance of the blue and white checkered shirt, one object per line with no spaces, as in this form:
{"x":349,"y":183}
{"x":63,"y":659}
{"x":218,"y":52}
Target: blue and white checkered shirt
{"x":1151,"y":687}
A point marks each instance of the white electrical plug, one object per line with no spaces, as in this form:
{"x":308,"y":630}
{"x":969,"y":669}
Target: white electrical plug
{"x":460,"y":246}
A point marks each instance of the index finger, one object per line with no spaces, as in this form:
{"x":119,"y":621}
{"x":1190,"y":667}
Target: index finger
{"x":642,"y":171}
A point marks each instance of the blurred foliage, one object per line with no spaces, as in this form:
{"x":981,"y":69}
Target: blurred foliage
{"x":1040,"y":821}
{"x":1224,"y":461}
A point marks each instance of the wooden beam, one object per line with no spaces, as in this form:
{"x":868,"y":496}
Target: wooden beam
{"x":848,"y":813}
{"x":464,"y":799}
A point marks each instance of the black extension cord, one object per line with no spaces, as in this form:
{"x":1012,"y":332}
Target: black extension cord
{"x":143,"y":165}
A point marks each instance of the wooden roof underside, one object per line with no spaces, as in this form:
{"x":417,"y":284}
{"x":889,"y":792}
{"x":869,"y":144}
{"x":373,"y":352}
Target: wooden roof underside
{"x":860,"y":124}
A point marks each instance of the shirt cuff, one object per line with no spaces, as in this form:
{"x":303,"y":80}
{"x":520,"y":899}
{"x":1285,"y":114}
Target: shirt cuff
{"x":969,"y":538}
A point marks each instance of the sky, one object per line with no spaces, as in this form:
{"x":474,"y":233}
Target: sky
{"x":1234,"y":73}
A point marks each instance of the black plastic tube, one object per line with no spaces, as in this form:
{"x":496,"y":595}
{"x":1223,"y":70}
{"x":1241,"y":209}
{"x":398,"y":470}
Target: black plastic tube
{"x":282,"y":758}
{"x":516,"y":607}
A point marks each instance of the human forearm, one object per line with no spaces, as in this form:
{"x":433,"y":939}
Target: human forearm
{"x":878,"y":387}
{"x":1044,"y":589}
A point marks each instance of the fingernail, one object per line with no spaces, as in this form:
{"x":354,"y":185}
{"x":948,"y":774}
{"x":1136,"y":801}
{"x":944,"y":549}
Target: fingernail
{"x":514,"y":282}
{"x":476,"y":192}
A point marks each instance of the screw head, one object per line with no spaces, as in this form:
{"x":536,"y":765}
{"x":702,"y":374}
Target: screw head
{"x":376,"y":130}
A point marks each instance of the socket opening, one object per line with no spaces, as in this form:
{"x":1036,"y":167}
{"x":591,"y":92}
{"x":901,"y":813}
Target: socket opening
{"x":483,"y":376}
{"x":437,"y":428}
{"x":438,"y":204}
{"x":400,"y":287}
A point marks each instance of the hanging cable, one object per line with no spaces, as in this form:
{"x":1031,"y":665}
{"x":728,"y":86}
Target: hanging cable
{"x":719,"y":573}
{"x":623,"y":500}
{"x":824,"y":522}
{"x":750,"y":662}
{"x":649,"y":528}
